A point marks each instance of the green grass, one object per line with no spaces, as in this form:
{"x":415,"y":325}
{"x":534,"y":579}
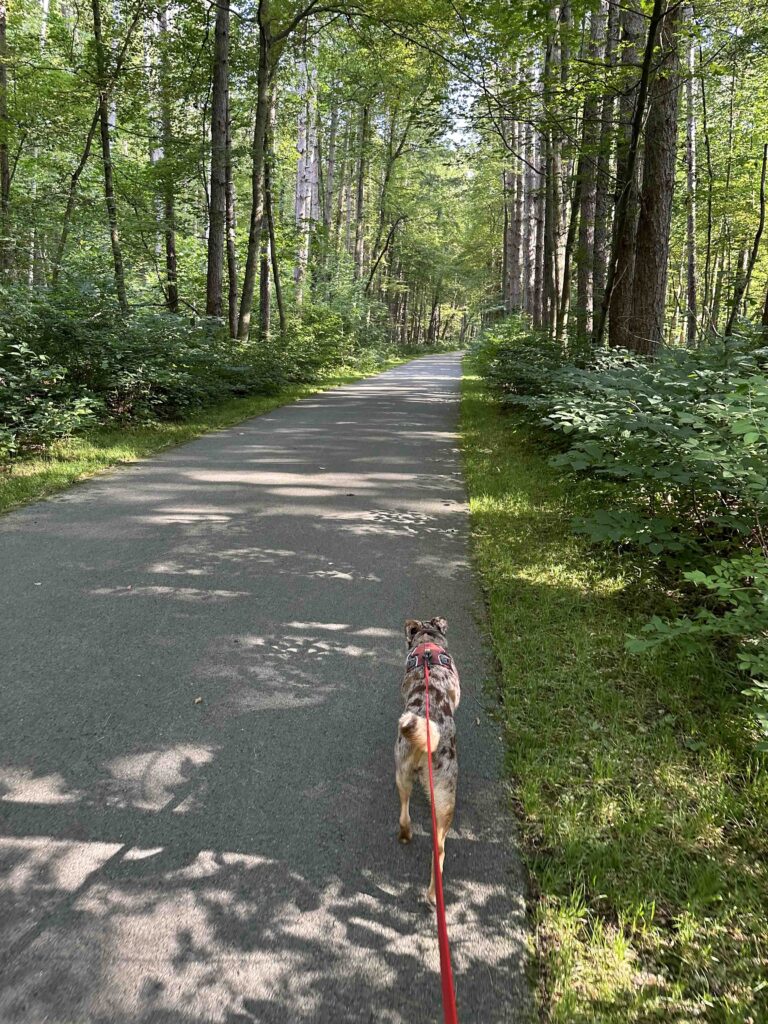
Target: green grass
{"x":643,"y":809}
{"x":93,"y":451}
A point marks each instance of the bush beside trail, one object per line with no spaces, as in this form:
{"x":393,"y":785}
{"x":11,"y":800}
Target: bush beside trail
{"x":679,"y":448}
{"x":71,"y":359}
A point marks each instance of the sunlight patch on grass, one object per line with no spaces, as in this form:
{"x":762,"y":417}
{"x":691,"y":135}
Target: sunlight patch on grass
{"x":643,"y":807}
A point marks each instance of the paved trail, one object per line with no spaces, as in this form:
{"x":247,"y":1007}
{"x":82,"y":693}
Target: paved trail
{"x":235,"y":860}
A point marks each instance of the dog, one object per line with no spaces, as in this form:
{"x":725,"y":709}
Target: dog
{"x":427,"y":639}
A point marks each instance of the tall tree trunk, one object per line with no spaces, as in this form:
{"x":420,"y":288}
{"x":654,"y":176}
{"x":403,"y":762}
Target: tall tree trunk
{"x":217,"y":205}
{"x":549,"y":242}
{"x":516,"y":225}
{"x":231,"y":231}
{"x":624,"y":230}
{"x":257,"y":175}
{"x":106,"y":154}
{"x":329,"y":183}
{"x":169,"y":201}
{"x":271,"y":230}
{"x":529,"y":220}
{"x":631,"y":113}
{"x":539,"y":203}
{"x":743,"y":280}
{"x":161,"y":137}
{"x":36,"y":272}
{"x":690,"y":167}
{"x":587,"y":175}
{"x":360,"y":196}
{"x":6,"y":258}
{"x":565,"y":293}
{"x":708,"y":268}
{"x":339,"y":214}
{"x":652,"y":256}
{"x":505,"y":241}
{"x":603,"y":205}
{"x":305,"y":149}
{"x":267,"y":236}
{"x":72,"y":196}
{"x":265,"y":304}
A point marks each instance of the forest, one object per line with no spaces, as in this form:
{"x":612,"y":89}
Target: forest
{"x":204,"y":204}
{"x":325,"y":179}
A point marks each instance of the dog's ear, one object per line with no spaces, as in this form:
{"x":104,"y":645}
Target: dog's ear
{"x":412,"y":627}
{"x":440,"y":624}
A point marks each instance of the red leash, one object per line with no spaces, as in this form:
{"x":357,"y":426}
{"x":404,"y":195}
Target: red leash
{"x":446,"y":973}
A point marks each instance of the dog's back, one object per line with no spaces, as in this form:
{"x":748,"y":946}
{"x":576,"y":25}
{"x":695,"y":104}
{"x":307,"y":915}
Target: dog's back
{"x":427,"y":640}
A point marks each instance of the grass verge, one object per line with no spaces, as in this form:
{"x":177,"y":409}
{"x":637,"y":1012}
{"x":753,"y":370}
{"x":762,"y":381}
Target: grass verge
{"x":93,"y":451}
{"x":643,"y":808}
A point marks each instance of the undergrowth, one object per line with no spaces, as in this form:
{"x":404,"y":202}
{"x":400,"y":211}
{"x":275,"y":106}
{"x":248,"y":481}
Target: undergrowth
{"x":643,"y":803}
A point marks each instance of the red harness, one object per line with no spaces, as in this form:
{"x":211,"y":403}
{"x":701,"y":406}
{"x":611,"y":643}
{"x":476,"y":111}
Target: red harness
{"x":428,"y":654}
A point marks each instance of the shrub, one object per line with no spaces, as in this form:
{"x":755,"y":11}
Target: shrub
{"x":72,"y":356}
{"x":36,"y":403}
{"x":684,"y":439}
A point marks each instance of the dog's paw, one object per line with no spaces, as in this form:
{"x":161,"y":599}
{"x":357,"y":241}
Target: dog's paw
{"x":405,"y":835}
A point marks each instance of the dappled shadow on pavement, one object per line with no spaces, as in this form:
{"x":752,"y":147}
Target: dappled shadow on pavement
{"x":197,"y":816}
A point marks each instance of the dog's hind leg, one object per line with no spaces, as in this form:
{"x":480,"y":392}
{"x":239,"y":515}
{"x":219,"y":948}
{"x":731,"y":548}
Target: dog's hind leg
{"x":445,"y":804}
{"x":404,"y":786}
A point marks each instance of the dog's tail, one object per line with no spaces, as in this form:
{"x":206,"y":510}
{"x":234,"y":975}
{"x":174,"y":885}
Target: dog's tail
{"x":414,"y":729}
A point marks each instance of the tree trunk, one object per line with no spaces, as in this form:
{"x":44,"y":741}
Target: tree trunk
{"x":652,"y":254}
{"x":631,"y":113}
{"x":169,"y":202}
{"x":161,"y":138}
{"x":305,"y":145}
{"x":690,"y":167}
{"x":6,"y":258}
{"x":265,"y":305}
{"x":329,"y":184}
{"x":624,"y":232}
{"x":505,"y":242}
{"x":231,"y":231}
{"x":36,"y":273}
{"x":267,"y":237}
{"x":272,"y":240}
{"x":72,"y":196}
{"x":538,"y":297}
{"x":360,"y":196}
{"x":708,"y":268}
{"x":603,"y":205}
{"x":106,"y":154}
{"x":529,"y":220}
{"x":257,"y":177}
{"x":516,"y":226}
{"x":339,"y":214}
{"x":743,"y":280}
{"x":587,"y":175}
{"x":550,"y":190}
{"x":217,"y":205}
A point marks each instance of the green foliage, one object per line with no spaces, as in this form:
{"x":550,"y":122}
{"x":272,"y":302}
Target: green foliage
{"x":680,"y":446}
{"x":37,"y":404}
{"x":71,"y":358}
{"x":641,"y":799}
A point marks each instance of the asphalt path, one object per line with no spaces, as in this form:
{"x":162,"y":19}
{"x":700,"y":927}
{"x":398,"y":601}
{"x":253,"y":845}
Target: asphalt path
{"x":200,"y":657}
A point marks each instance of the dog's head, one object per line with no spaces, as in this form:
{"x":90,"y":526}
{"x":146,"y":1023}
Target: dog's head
{"x":422,"y":632}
